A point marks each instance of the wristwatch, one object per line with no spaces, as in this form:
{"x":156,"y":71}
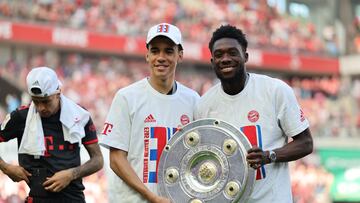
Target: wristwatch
{"x":272,"y":156}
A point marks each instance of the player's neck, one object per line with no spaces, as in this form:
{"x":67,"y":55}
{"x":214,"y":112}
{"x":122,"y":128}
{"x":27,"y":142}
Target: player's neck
{"x":235,"y":86}
{"x":162,"y":86}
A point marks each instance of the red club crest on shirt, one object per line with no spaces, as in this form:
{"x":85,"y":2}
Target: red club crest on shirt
{"x":184,"y":119}
{"x":253,"y":116}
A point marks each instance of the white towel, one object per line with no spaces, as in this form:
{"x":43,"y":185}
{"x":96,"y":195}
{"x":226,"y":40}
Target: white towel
{"x":32,"y":141}
{"x":73,"y":119}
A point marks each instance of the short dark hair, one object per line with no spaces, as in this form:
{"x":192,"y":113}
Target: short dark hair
{"x":179,"y":47}
{"x":228,"y":31}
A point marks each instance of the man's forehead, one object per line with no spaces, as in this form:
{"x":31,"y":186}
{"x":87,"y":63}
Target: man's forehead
{"x":226,"y":43}
{"x":161,"y":39}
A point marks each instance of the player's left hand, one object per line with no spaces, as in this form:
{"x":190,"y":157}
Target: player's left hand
{"x":58,"y":181}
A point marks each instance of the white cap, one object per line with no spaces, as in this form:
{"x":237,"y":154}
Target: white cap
{"x":167,"y":30}
{"x":44,"y":79}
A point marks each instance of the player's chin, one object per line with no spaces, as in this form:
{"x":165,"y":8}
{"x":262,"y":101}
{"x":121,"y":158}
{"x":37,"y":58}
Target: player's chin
{"x":227,"y":77}
{"x":45,"y":114}
{"x":162,"y":74}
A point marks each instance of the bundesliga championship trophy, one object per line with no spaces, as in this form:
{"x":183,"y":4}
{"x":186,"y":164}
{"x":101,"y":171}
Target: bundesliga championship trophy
{"x":205,"y":161}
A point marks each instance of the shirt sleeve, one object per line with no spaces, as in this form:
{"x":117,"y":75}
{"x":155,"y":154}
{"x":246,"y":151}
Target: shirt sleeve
{"x":12,"y":126}
{"x":290,"y":116}
{"x":90,"y":133}
{"x":116,"y":131}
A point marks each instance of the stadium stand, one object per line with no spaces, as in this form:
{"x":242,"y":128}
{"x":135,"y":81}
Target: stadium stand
{"x":267,"y":27}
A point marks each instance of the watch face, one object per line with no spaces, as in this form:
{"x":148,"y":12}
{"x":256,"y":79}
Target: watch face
{"x":272,"y":156}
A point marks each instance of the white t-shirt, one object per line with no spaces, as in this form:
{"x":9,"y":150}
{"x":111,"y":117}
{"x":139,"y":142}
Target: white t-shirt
{"x":267,"y":111}
{"x":141,"y":121}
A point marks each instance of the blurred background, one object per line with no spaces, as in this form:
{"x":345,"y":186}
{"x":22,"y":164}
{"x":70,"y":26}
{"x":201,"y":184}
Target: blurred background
{"x":98,"y":46}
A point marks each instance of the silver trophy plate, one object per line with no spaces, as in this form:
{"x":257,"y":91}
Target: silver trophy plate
{"x":205,"y":161}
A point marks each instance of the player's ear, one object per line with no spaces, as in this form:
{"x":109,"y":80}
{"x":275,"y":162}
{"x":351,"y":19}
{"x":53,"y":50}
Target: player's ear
{"x":181,"y":55}
{"x":147,"y":57}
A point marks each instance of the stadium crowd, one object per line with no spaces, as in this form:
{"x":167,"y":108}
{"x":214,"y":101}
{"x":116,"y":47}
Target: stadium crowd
{"x":311,"y":183}
{"x":267,"y":27}
{"x":356,"y":41}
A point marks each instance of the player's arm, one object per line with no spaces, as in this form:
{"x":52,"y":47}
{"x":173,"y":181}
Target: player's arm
{"x":14,"y":172}
{"x":122,"y":168}
{"x":290,"y":119}
{"x":61,"y":179}
{"x":94,"y":164}
{"x":301,"y":146}
{"x":11,"y":127}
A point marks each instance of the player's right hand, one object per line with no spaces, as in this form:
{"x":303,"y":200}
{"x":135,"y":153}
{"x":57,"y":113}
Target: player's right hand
{"x":159,"y":199}
{"x":16,"y":173}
